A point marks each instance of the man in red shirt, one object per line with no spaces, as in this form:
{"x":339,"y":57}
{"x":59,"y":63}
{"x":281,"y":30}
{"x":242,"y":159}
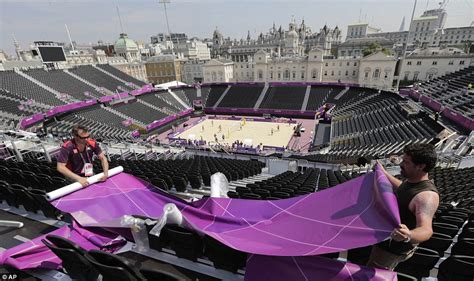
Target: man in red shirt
{"x":75,"y":157}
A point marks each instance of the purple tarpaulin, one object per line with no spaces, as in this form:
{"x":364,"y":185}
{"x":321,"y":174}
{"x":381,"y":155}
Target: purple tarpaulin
{"x":34,"y":254}
{"x":366,"y":212}
{"x":357,"y":213}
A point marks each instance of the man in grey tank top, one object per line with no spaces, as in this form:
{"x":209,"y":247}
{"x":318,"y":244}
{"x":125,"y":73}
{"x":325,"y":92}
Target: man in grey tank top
{"x":418,"y":201}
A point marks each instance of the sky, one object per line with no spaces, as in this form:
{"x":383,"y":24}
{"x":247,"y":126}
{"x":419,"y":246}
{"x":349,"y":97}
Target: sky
{"x":90,"y":21}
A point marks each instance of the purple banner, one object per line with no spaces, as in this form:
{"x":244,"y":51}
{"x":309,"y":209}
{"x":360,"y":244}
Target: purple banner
{"x":168,"y":119}
{"x":106,"y":99}
{"x":458,"y":118}
{"x":436,"y":106}
{"x":32,"y":120}
{"x":70,"y":107}
{"x":310,"y":268}
{"x":136,"y":134}
{"x":143,"y":90}
{"x":260,"y":111}
{"x":404,"y":92}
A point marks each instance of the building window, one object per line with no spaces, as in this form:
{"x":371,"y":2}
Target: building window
{"x":347,"y":72}
{"x":355,"y":63}
{"x":418,"y":62}
{"x":366,"y":76}
{"x":451,"y":62}
{"x":294,"y":75}
{"x":260,"y":74}
{"x":408,"y":62}
{"x":434,"y":63}
{"x":354,"y":72}
{"x":332,"y":73}
{"x":461,"y":62}
{"x":415,"y":76}
{"x":302,"y":74}
{"x":377,"y":73}
{"x":286,"y":74}
{"x":327,"y":64}
{"x":325,"y":73}
{"x":271,"y":74}
{"x":314,"y":73}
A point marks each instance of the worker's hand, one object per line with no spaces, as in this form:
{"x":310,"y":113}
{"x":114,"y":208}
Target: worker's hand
{"x":83,"y":182}
{"x":103,"y":178}
{"x":401,"y":233}
{"x":375,"y":165}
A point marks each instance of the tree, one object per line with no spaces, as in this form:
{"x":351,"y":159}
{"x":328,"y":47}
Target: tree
{"x":374,"y":48}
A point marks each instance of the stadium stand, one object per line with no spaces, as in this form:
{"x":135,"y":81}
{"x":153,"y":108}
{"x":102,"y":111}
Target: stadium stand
{"x":139,"y":111}
{"x":242,"y":97}
{"x":284,"y":97}
{"x":17,"y":85}
{"x":114,"y":71}
{"x":215,"y":93}
{"x":63,"y":83}
{"x":99,"y":79}
{"x":451,"y":90}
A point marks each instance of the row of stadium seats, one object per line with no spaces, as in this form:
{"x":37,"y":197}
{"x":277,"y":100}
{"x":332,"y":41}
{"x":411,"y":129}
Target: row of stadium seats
{"x":451,"y":90}
{"x":114,"y":71}
{"x":83,"y":265}
{"x":194,"y":172}
{"x":100,"y":79}
{"x":64,"y":83}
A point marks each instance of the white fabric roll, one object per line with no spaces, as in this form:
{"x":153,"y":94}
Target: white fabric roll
{"x":55,"y":194}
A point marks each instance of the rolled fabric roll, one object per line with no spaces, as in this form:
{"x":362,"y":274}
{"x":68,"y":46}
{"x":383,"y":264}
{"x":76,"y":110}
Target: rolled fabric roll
{"x":73,"y":187}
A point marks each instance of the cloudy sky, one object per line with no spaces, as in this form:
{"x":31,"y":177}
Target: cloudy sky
{"x":90,"y":21}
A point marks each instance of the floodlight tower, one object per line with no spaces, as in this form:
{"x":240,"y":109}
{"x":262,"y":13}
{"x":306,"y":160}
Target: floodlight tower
{"x":400,"y":73}
{"x":164,"y":2}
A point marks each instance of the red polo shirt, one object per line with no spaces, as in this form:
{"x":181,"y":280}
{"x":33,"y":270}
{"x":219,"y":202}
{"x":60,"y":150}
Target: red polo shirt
{"x":75,"y":159}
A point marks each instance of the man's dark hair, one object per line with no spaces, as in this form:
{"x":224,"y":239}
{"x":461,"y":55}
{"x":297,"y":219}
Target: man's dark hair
{"x":422,"y":153}
{"x":76,"y":128}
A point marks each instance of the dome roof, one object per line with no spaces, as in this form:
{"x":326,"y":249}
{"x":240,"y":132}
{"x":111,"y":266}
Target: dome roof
{"x":292,"y":33}
{"x":125,"y":43}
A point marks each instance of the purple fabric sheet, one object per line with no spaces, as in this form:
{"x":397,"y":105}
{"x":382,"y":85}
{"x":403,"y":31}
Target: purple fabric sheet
{"x":354,"y":214}
{"x":310,"y":268}
{"x":34,"y":254}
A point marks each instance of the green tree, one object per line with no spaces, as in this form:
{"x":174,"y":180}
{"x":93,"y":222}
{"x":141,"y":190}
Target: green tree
{"x":374,"y":48}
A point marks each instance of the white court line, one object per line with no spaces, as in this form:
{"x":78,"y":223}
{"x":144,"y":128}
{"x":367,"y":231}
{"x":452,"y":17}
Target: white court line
{"x":291,"y":240}
{"x":299,"y":268}
{"x":342,"y":229}
{"x":225,"y":209}
{"x":21,"y":238}
{"x":95,"y":197}
{"x":348,"y":271}
{"x":324,"y":222}
{"x":251,"y":225}
{"x":214,"y":218}
{"x":111,"y":180}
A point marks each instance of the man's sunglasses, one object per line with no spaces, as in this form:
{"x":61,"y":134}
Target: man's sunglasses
{"x":83,"y":138}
